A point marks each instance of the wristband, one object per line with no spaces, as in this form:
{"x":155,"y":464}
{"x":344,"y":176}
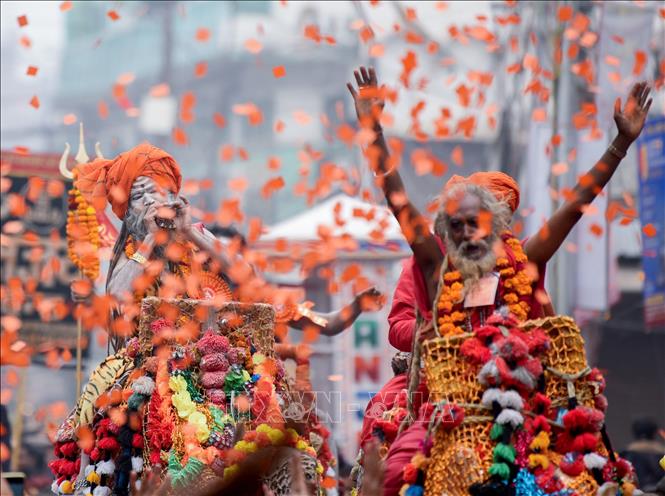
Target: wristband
{"x":615,"y":151}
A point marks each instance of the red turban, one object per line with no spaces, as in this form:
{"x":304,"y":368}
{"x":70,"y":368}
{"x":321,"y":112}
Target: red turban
{"x":501,"y":185}
{"x":102,"y":179}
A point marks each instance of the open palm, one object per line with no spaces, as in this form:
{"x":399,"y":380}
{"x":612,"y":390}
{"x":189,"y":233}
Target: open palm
{"x":368,"y":99}
{"x":630,"y":120}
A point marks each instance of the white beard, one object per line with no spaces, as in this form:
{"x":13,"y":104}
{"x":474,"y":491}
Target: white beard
{"x":471,"y":270}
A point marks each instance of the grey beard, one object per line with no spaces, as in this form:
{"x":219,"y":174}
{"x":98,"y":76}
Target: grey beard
{"x":471,"y":270}
{"x":136,"y":225}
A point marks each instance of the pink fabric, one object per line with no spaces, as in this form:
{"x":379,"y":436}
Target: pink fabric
{"x":399,"y":454}
{"x":409,"y":293}
{"x":402,"y":316}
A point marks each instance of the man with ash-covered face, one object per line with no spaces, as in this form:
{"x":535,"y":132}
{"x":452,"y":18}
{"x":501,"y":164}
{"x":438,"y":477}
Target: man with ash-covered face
{"x":142,"y":187}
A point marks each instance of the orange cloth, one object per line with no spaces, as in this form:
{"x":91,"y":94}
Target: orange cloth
{"x":502,"y":186}
{"x":111,"y":180}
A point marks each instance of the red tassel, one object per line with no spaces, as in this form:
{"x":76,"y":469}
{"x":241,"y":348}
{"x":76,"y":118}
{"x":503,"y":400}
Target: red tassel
{"x":487,"y":333}
{"x":584,"y":443}
{"x":137,"y":441}
{"x":108,"y":444}
{"x":574,"y":468}
{"x":69,"y":449}
{"x":95,"y":455}
{"x":474,"y":351}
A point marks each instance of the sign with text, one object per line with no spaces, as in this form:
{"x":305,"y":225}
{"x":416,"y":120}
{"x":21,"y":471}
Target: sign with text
{"x":36,"y":272}
{"x":363,"y":354}
{"x":651,"y":147}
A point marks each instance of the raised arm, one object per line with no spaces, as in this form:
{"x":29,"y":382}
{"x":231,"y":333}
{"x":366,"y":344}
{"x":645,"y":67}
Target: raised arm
{"x":629,"y":121}
{"x":333,"y":323}
{"x":369,"y":102}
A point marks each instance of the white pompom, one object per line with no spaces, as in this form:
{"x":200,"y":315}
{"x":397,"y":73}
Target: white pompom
{"x":143,"y":385}
{"x":106,"y":467}
{"x":490,"y":396}
{"x":489,"y":370}
{"x":102,"y":491}
{"x":89,"y":469}
{"x":137,"y":464}
{"x":524,"y":376}
{"x":55,"y":487}
{"x":509,"y":416}
{"x":511,"y":399}
{"x":594,"y":460}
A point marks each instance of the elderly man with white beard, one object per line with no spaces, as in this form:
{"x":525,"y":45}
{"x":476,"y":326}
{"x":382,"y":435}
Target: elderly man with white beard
{"x":472,"y":265}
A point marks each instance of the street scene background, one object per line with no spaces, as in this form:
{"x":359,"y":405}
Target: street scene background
{"x":250,"y":99}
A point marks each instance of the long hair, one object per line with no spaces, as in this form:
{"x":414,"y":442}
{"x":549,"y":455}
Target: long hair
{"x":116,"y":342}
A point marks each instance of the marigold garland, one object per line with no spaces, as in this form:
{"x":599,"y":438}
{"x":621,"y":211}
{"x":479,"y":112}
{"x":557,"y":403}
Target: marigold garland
{"x":514,"y":290}
{"x":83,"y":239}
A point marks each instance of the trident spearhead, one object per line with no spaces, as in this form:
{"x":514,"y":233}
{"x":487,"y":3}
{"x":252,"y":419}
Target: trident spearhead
{"x":81,"y":156}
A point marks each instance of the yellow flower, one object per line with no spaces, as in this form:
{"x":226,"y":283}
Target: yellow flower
{"x":319,"y":468}
{"x":67,"y":487}
{"x":451,"y":276}
{"x":183,"y":403}
{"x":199,"y":420}
{"x":246,"y":446}
{"x":302,"y":445}
{"x":93,"y":477}
{"x":541,"y":441}
{"x":456,"y":286}
{"x":292,"y":433}
{"x":177,"y":383}
{"x":536,"y":460}
{"x":263,"y":428}
{"x":276,"y":436}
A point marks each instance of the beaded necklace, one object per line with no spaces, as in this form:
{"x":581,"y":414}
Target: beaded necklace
{"x":513,"y":291}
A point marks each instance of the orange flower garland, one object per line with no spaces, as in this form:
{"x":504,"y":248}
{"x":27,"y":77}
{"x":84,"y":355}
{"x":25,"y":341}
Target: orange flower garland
{"x":451,"y":295}
{"x":514,"y":290}
{"x":83,"y":240}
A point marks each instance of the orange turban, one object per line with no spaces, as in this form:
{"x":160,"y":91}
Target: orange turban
{"x":102,"y":179}
{"x":501,"y":185}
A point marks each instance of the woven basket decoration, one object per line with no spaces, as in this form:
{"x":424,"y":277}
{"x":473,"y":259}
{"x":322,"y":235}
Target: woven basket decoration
{"x":566,"y":358}
{"x":462,"y":456}
{"x":234,"y":320}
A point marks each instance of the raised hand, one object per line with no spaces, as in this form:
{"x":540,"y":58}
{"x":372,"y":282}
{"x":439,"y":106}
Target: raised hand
{"x":370,"y":300}
{"x":630,"y":120}
{"x":369,"y":100}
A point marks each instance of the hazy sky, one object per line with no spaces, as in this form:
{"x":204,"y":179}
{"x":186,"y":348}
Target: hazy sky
{"x":45,"y":29}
